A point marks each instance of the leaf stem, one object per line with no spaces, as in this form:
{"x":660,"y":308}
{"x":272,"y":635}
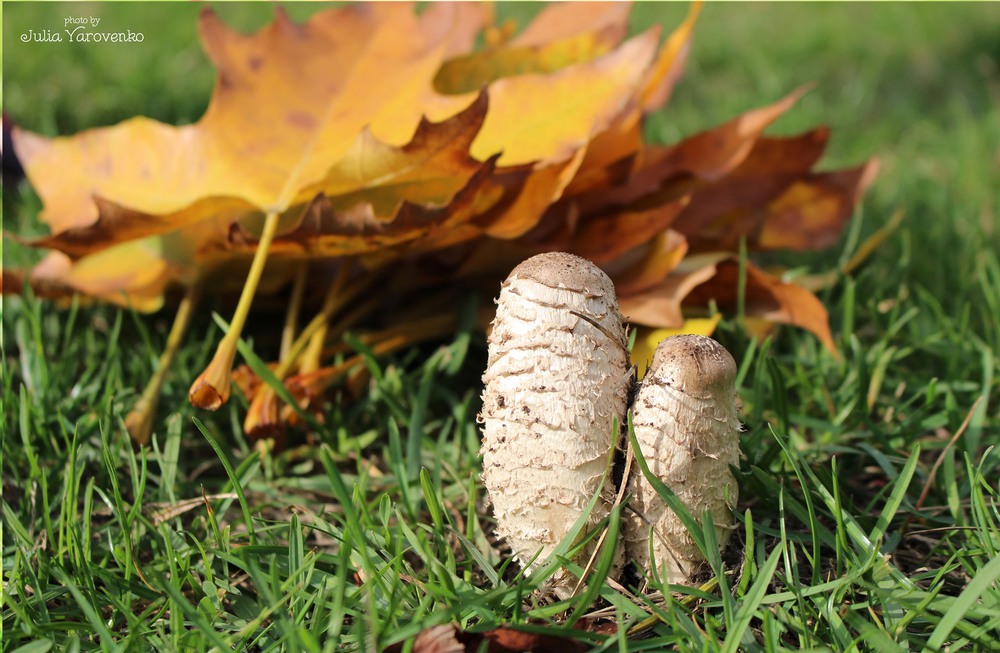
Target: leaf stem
{"x":336,"y":299}
{"x":253,"y":279}
{"x":380,"y":343}
{"x":139,"y":421}
{"x":211,"y":389}
{"x":308,"y":349}
{"x":263,"y":415}
{"x":294,"y":307}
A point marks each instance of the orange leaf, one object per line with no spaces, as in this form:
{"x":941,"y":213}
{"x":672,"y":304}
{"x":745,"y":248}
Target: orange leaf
{"x":668,"y":173}
{"x":714,"y":278}
{"x":605,"y":238}
{"x":766,"y":297}
{"x":131,"y":274}
{"x":660,"y":305}
{"x":118,"y":224}
{"x":324,"y":231}
{"x":670,"y":62}
{"x":562,"y":34}
{"x":612,"y":154}
{"x":773,"y":200}
{"x":661,"y":256}
{"x":543,"y":186}
{"x":715,"y":152}
{"x":265,"y":80}
{"x":549,"y":117}
{"x":812,"y":212}
{"x":608,"y":21}
{"x":429,"y":170}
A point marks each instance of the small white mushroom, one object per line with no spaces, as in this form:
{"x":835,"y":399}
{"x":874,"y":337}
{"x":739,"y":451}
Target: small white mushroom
{"x":556,"y":382}
{"x":687,"y":428}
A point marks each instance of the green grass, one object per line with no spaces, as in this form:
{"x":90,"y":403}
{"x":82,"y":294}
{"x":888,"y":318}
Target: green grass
{"x":869,"y":484}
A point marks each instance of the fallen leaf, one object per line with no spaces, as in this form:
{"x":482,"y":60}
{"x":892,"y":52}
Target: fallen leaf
{"x":547,"y":118}
{"x":608,"y":21}
{"x":430,"y":169}
{"x":438,"y":639}
{"x":657,"y":259}
{"x":774,"y":201}
{"x":610,"y":156}
{"x":660,"y":305}
{"x":713,"y":153}
{"x":265,"y":79}
{"x":667,"y":173}
{"x":605,"y":238}
{"x":543,"y":185}
{"x":374,"y":142}
{"x":133,"y":274}
{"x":670,"y":62}
{"x":813,"y":211}
{"x":509,"y":640}
{"x":766,"y":297}
{"x":613,"y":153}
{"x":713,"y":279}
{"x":646,"y":339}
{"x":449,"y":639}
{"x":562,"y":34}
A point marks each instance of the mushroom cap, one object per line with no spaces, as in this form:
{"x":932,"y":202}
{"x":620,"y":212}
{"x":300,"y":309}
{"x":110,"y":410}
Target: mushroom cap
{"x":696,"y":365}
{"x":564,"y":270}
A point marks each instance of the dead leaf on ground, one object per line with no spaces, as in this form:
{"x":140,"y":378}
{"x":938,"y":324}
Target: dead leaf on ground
{"x":449,"y":639}
{"x":375,"y":142}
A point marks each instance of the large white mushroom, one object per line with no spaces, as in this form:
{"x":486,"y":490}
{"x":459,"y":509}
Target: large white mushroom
{"x":556,"y":383}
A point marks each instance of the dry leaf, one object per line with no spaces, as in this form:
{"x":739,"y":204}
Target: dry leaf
{"x":438,"y":639}
{"x":548,"y":117}
{"x":563,"y":33}
{"x":375,"y":142}
{"x":646,"y":339}
{"x":766,"y":297}
{"x":268,"y":79}
{"x":449,"y":639}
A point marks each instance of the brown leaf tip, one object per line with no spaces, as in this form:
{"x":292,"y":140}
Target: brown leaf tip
{"x":696,"y":365}
{"x":204,"y":395}
{"x":563,"y":270}
{"x":11,"y":281}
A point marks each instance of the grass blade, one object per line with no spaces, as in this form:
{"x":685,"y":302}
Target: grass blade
{"x":980,"y":583}
{"x":233,"y":478}
{"x":752,"y":600}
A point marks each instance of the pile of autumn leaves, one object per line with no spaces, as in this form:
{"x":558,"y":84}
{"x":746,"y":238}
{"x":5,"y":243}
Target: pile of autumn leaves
{"x":374,"y":160}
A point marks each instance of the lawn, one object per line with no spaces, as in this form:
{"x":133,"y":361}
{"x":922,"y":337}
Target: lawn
{"x":869,"y":502}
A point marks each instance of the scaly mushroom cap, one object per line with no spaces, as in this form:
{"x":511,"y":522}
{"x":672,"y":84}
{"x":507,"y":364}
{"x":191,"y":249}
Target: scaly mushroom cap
{"x":695,"y":365}
{"x":563,"y":270}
